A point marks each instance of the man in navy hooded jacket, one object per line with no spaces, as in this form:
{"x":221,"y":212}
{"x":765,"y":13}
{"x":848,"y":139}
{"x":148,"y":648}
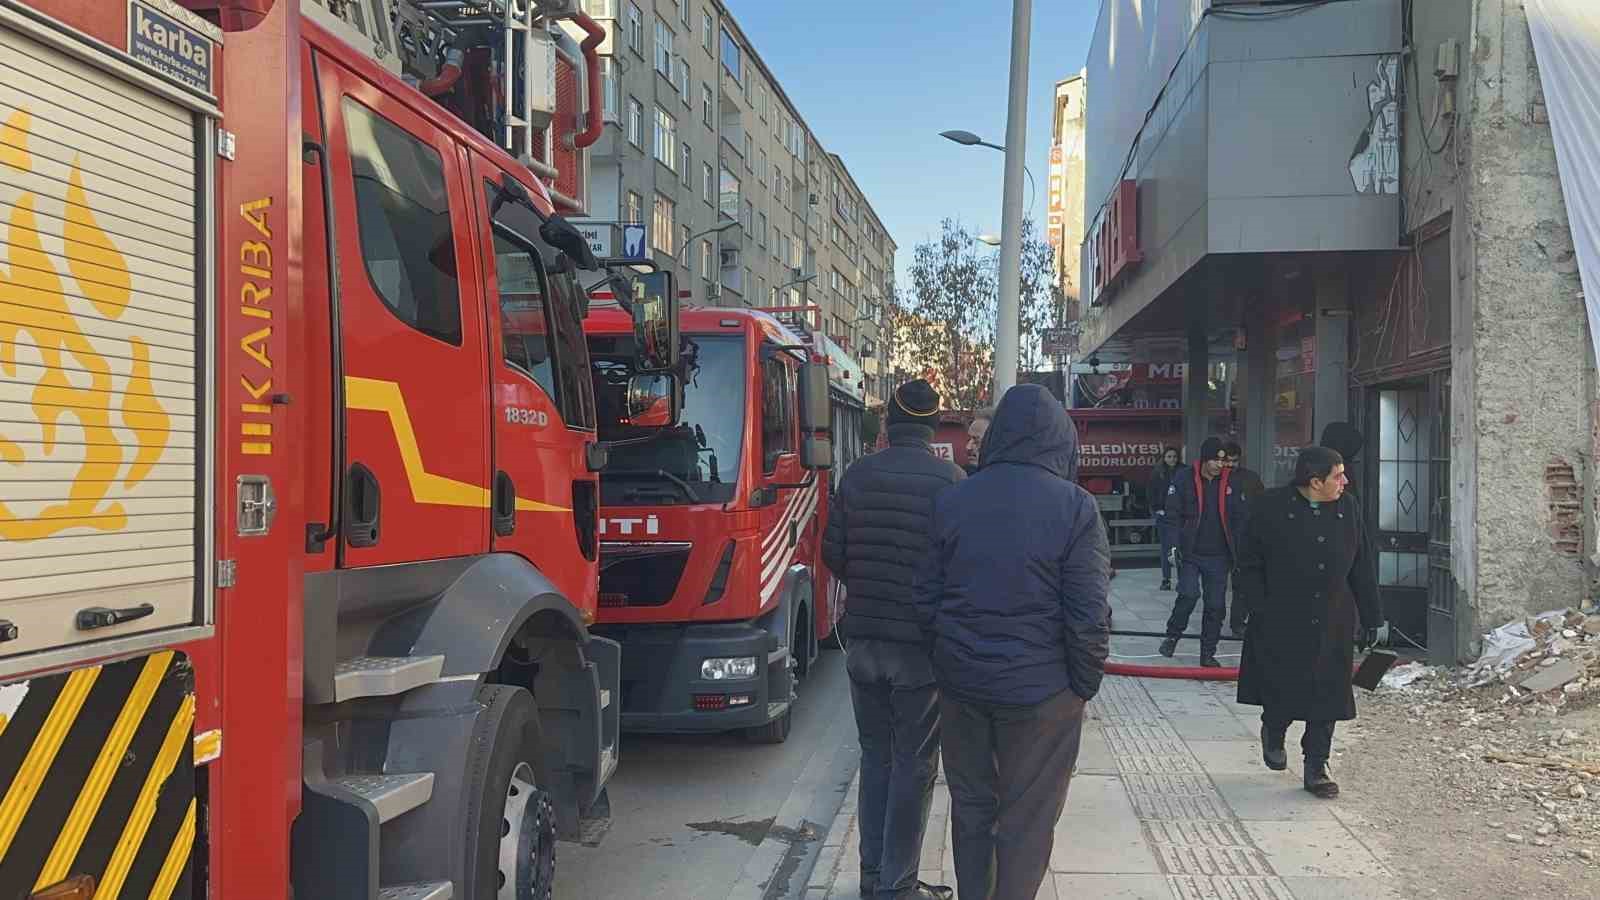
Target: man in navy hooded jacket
{"x":1015,"y":600}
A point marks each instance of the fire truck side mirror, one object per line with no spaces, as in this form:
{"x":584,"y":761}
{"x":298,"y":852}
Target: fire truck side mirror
{"x":816,"y":452}
{"x":653,"y":400}
{"x":814,"y":413}
{"x":655,"y":322}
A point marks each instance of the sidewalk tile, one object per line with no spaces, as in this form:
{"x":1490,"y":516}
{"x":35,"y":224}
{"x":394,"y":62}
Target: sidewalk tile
{"x":1229,"y":757}
{"x":1114,"y":887}
{"x":1099,"y":831}
{"x":1223,"y":726}
{"x":1270,"y":797}
{"x":1094,"y":754}
{"x":1309,"y":888}
{"x":1314,"y":848}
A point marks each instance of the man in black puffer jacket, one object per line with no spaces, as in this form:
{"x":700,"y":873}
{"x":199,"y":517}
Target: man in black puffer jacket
{"x":877,"y":542}
{"x":1016,"y":592}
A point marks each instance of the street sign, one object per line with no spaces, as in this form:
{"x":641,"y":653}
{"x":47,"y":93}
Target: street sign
{"x":1058,"y":341}
{"x":615,"y":240}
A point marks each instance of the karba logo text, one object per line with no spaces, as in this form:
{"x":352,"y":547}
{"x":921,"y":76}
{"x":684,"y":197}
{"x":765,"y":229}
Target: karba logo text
{"x":176,"y":40}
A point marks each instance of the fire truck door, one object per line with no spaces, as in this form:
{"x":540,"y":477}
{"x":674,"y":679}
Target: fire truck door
{"x":544,"y":503}
{"x":416,"y":476}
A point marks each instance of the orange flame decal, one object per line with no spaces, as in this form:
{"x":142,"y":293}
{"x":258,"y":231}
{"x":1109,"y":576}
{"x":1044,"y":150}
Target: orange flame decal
{"x":37,"y":317}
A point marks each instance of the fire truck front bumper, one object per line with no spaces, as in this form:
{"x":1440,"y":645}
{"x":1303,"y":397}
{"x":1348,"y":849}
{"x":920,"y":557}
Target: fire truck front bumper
{"x":700,"y":678}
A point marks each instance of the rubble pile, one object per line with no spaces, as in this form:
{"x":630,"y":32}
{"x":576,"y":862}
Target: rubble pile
{"x":1538,"y":665}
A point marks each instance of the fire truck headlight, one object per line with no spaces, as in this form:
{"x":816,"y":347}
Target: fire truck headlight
{"x":728,"y":668}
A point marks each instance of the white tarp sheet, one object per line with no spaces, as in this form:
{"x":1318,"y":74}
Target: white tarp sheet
{"x":1566,"y":42}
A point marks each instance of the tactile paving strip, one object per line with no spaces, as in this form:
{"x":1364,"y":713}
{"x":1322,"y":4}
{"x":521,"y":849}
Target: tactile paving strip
{"x":1204,"y":851}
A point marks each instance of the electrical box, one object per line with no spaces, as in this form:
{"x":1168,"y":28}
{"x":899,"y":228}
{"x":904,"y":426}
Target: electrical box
{"x":1448,"y":63}
{"x":541,"y":75}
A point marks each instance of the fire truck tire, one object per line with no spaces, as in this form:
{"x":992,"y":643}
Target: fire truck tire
{"x":774,"y":732}
{"x":806,"y":634}
{"x":510,"y":822}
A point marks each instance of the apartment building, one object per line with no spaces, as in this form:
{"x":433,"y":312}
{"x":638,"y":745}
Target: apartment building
{"x":740,"y":198}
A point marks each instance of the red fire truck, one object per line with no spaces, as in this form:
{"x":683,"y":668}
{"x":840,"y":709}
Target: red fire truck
{"x":298,"y":532}
{"x":711,"y":577}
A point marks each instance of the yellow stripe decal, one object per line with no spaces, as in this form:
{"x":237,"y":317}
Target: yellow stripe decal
{"x":36,"y":765}
{"x":144,"y":809}
{"x":385,"y":396}
{"x":177,"y":858}
{"x":207,"y":746}
{"x":87,"y":806}
{"x":3,"y":721}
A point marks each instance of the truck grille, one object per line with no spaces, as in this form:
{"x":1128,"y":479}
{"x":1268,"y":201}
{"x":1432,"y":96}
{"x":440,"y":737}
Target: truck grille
{"x":640,"y":574}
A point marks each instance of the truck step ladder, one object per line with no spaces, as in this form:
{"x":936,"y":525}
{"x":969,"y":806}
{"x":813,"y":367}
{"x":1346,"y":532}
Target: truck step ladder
{"x":422,"y":890}
{"x":392,"y":795}
{"x":383,"y":676}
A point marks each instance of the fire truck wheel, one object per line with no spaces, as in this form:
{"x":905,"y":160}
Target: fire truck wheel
{"x":806,"y":641}
{"x":774,"y":732}
{"x":510,"y":821}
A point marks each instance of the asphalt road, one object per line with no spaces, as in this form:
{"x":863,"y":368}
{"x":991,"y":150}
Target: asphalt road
{"x":713,"y":817}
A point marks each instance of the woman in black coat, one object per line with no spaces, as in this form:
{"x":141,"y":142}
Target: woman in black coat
{"x":1304,"y":569}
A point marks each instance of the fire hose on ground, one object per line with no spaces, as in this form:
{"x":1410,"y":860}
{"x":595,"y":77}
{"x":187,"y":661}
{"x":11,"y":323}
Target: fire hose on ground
{"x":1189,"y":673}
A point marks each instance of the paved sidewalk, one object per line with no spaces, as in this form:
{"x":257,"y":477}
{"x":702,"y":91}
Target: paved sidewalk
{"x":1170,"y":802}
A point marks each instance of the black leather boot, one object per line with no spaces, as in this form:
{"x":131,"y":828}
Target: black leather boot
{"x":1169,"y":647}
{"x":1272,"y":752}
{"x":1317,"y":780}
{"x":1166,"y":584}
{"x":1209,"y":661}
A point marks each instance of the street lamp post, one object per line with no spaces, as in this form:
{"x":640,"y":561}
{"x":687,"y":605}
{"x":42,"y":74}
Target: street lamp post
{"x":715,"y":229}
{"x":1006,"y":336}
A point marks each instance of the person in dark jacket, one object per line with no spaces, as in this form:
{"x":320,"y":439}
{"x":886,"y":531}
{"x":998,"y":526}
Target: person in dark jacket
{"x":1016,"y":603}
{"x":1250,"y":486}
{"x":877,"y":541}
{"x":1156,"y":497}
{"x":1303,"y":567}
{"x":1209,"y":514}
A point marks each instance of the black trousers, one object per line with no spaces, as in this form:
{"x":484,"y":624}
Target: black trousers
{"x":1197,"y":576}
{"x":897,"y":716}
{"x":1316,"y":743}
{"x":1008,"y":769}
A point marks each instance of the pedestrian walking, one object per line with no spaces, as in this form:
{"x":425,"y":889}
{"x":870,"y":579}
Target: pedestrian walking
{"x":1209,"y":513}
{"x":877,"y":540}
{"x":1156,"y":497}
{"x":1304,"y":568}
{"x":1250,"y":486}
{"x":975,"y":433}
{"x":1016,"y":603}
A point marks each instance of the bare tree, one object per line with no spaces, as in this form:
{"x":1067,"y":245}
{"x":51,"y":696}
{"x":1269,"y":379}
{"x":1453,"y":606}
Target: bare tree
{"x":1040,"y":305}
{"x":944,"y":324}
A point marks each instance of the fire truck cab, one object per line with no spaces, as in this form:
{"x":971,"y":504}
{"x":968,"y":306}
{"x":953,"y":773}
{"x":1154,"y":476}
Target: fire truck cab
{"x":711,"y":577}
{"x":298,"y":539}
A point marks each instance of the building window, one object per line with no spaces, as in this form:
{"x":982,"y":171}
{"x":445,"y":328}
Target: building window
{"x":609,"y":87}
{"x":683,"y":81}
{"x":633,"y":212}
{"x":635,"y":29}
{"x":731,"y":56}
{"x":663,"y":49}
{"x":683,"y":238}
{"x":705,"y":260}
{"x":666,"y":145}
{"x":729,"y":200}
{"x":748,"y":219}
{"x":661,"y":226}
{"x":706,"y":29}
{"x":761,"y":229}
{"x":683,"y":12}
{"x":708,"y":189}
{"x":761,"y":102}
{"x":688,"y":164}
{"x":402,"y":204}
{"x":749,"y":151}
{"x":635,"y":123}
{"x":707,"y":106}
{"x":601,"y":9}
{"x":761,"y":167}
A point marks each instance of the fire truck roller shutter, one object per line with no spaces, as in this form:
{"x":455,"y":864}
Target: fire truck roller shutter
{"x":101,"y":176}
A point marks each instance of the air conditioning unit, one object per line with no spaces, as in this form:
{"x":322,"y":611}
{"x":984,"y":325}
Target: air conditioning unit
{"x":730,"y":257}
{"x":813,"y":200}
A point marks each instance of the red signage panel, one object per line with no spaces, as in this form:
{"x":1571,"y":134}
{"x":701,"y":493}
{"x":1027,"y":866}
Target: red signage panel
{"x":1115,"y":241}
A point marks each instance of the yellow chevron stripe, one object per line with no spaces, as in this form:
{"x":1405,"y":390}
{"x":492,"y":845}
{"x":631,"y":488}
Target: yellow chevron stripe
{"x":386,"y":397}
{"x":144,"y":809}
{"x":3,"y":721}
{"x":36,"y":765}
{"x":87,"y":806}
{"x":177,"y":858}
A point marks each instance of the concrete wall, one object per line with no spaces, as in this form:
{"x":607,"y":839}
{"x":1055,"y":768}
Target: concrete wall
{"x":1522,"y":389}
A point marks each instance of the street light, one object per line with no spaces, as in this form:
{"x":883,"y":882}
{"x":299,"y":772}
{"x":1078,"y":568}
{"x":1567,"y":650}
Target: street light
{"x":968,"y":139}
{"x":715,"y":229}
{"x":992,"y":240}
{"x":1006,"y":337}
{"x":811,"y":277}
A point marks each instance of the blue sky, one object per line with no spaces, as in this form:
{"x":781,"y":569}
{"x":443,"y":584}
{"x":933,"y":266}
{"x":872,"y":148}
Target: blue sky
{"x":877,"y":80}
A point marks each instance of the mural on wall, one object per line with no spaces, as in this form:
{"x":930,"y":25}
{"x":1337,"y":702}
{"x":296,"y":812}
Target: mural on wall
{"x":1375,"y":161}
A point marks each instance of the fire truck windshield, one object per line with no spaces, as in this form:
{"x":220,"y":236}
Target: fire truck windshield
{"x":696,"y":461}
